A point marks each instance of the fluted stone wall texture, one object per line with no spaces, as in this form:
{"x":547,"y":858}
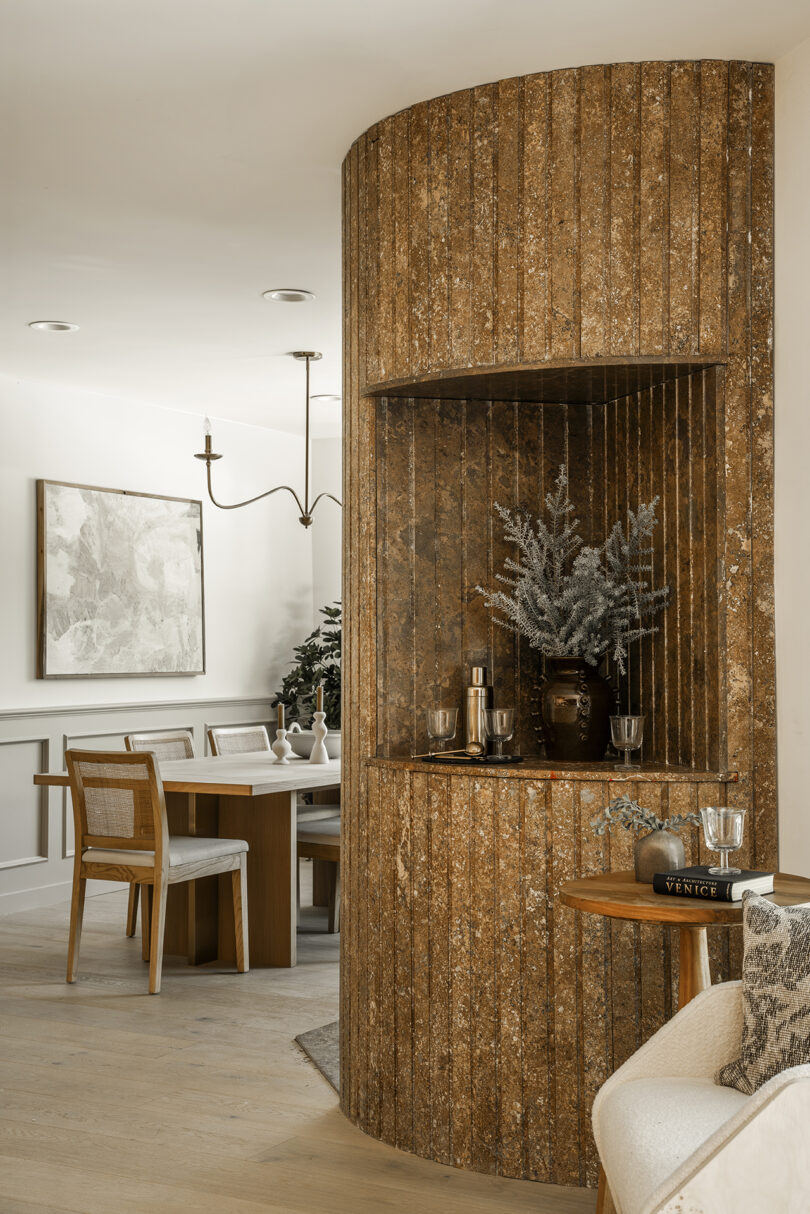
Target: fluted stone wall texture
{"x":540,"y":227}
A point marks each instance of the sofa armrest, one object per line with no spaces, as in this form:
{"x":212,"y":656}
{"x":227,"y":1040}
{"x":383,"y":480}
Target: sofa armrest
{"x":699,"y":1039}
{"x":759,"y":1160}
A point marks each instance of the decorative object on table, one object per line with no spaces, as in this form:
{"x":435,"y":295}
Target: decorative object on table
{"x":658,"y":851}
{"x":477,"y":700}
{"x":775,"y":994}
{"x":317,"y":664}
{"x":319,"y":753}
{"x":627,"y":733}
{"x":441,"y":723}
{"x":119,"y":583}
{"x":723,"y":832}
{"x":499,"y":727}
{"x":307,"y":508}
{"x":575,"y":604}
{"x":697,"y":882}
{"x":302,"y":741}
{"x":281,"y":747}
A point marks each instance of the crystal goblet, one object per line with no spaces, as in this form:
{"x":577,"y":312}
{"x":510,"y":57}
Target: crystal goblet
{"x":499,"y":726}
{"x":441,"y":723}
{"x":627,"y":733}
{"x":723,"y":832}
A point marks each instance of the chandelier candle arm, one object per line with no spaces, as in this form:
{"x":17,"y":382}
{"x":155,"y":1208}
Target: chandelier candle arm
{"x":306,"y":509}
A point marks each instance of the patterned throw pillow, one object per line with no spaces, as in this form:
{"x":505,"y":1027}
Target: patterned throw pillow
{"x":776,"y":993}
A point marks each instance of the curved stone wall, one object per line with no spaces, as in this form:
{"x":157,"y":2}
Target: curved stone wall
{"x":610,"y":215}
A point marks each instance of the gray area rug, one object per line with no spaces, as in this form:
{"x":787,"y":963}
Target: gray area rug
{"x":322,"y":1046}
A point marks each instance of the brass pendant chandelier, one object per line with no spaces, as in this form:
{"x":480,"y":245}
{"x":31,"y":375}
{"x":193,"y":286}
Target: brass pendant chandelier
{"x":306,"y":507}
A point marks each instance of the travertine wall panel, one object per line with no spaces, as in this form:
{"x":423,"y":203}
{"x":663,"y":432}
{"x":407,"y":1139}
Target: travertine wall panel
{"x":487,"y":1034}
{"x":593,"y":218}
{"x":585,"y":213}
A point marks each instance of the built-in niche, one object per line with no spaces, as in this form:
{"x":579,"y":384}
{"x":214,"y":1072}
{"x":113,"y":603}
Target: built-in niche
{"x":442,"y":462}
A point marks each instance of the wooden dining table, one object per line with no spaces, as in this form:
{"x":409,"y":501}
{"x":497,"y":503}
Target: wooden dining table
{"x":249,"y":797}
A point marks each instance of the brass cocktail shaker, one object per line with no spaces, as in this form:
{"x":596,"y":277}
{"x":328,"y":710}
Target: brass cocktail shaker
{"x":477,"y":700}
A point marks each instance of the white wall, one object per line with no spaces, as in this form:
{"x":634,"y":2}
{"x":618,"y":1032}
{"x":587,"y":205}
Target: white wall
{"x":792,"y":404}
{"x":258,"y":561}
{"x":326,"y":528}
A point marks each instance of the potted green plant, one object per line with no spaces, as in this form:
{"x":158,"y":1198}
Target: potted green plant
{"x":316,"y":664}
{"x":576,"y":604}
{"x":660,"y":850}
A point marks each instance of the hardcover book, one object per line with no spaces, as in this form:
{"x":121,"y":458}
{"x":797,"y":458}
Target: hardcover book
{"x":698,"y":882}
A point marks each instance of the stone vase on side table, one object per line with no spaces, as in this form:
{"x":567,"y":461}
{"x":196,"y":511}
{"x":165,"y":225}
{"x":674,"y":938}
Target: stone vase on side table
{"x":660,"y":851}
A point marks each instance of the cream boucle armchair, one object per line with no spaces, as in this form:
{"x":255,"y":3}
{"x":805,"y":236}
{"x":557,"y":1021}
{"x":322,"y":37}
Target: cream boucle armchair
{"x":671,"y":1141}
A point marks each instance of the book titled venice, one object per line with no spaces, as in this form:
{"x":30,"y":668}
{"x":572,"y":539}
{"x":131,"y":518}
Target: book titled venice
{"x":698,"y":882}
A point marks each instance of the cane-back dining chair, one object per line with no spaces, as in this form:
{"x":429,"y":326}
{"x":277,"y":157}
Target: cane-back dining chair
{"x":122,"y":834}
{"x":238,"y":739}
{"x":176,"y":745}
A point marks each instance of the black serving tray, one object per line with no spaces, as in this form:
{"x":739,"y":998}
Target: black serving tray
{"x":474,"y":760}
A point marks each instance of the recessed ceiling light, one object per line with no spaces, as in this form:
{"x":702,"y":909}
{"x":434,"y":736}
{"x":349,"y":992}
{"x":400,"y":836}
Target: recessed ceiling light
{"x":52,"y":326}
{"x":289,"y":295}
{"x":327,"y":397}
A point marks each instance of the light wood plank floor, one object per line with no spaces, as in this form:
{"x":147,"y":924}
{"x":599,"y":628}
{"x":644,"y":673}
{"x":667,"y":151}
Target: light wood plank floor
{"x":115,"y":1102}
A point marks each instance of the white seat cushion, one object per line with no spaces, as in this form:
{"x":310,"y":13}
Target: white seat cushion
{"x":648,"y":1127}
{"x":183,"y":849}
{"x":327,"y":831}
{"x":316,"y":813}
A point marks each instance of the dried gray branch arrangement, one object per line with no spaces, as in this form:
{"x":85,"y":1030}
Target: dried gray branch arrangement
{"x":571,"y":600}
{"x":623,"y":812}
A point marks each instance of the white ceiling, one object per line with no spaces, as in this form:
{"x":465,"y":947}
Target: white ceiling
{"x":165,"y":161}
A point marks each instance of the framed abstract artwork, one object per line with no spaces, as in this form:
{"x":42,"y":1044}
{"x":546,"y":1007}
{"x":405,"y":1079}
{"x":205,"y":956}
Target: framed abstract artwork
{"x":119,"y":583}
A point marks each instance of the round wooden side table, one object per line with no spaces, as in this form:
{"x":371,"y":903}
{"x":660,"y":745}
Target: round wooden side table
{"x":620,"y":896}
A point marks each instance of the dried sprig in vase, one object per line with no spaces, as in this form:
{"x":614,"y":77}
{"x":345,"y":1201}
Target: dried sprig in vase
{"x":576,"y":604}
{"x":660,"y":850}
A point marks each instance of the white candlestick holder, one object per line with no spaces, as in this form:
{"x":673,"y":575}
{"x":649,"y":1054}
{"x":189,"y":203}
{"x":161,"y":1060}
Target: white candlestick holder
{"x":281,"y":747}
{"x":319,"y":753}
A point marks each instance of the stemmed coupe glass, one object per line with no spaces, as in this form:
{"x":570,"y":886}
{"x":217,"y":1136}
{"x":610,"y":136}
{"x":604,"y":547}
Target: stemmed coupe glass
{"x":723,"y":832}
{"x":441,"y":723}
{"x":627,"y":733}
{"x":499,"y":725}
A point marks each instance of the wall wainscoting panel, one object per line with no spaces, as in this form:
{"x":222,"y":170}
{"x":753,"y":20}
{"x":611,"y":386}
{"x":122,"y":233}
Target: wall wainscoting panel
{"x":36,"y":824}
{"x":23,"y":808}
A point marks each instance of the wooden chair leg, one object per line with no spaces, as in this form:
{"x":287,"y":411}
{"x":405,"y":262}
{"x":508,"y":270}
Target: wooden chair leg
{"x":158,"y":917}
{"x":132,"y":909}
{"x":76,"y":916}
{"x":334,"y":898}
{"x":321,"y":882}
{"x":240,"y":916}
{"x":604,"y":1197}
{"x":146,"y":920}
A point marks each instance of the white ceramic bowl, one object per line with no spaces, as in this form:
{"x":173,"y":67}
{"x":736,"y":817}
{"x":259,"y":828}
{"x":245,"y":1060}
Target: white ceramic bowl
{"x":303,"y":741}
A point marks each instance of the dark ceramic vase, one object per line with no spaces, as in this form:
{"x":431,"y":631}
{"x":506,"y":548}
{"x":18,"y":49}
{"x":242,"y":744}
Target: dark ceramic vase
{"x":575,"y":706}
{"x":658,"y":852}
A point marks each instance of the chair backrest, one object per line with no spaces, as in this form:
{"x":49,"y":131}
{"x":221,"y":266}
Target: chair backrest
{"x":238,"y":739}
{"x":118,"y":801}
{"x":177,"y":745}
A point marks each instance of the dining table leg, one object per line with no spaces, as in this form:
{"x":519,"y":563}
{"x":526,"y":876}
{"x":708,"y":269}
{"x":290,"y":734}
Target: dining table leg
{"x":268,"y":825}
{"x":192,"y":907}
